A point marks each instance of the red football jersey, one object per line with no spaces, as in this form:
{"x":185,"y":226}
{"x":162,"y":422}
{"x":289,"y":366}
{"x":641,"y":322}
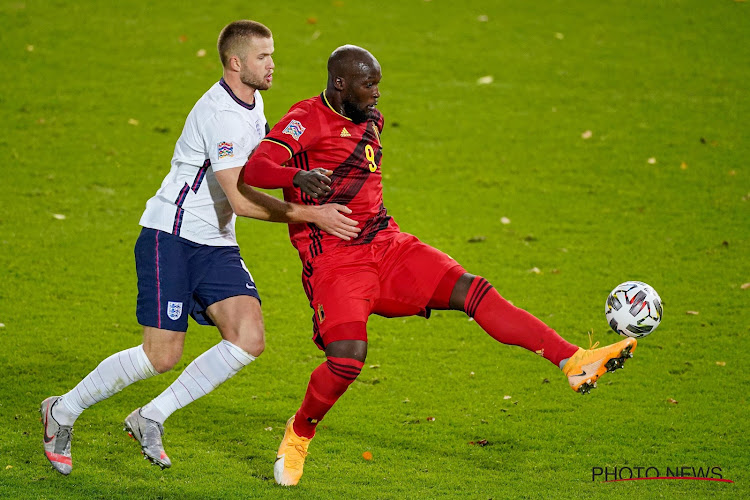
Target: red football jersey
{"x":315,"y":135}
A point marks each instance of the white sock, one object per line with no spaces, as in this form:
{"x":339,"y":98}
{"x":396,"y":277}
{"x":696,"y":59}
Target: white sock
{"x":200,"y":377}
{"x":110,"y":377}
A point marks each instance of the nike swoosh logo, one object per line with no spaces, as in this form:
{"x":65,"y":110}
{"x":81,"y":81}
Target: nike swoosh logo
{"x":582,"y":374}
{"x":47,"y":438}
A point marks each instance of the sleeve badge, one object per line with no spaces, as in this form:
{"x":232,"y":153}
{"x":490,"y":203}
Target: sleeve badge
{"x":225,"y":149}
{"x":295,"y":129}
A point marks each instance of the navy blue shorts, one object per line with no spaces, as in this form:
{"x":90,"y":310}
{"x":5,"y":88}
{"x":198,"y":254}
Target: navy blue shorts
{"x":177,"y":277}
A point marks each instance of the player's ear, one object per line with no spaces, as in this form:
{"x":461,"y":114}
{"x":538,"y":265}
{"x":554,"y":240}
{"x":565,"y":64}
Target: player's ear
{"x":338,"y":82}
{"x":234,"y":63}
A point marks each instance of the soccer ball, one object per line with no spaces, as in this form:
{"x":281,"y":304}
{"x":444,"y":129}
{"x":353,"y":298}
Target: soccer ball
{"x":633,"y":309}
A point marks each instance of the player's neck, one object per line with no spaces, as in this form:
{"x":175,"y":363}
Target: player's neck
{"x":334,"y":100}
{"x":245,"y":93}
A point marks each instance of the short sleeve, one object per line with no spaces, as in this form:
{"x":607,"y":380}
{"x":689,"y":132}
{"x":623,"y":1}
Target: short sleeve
{"x":297,"y":130}
{"x":229,"y":140}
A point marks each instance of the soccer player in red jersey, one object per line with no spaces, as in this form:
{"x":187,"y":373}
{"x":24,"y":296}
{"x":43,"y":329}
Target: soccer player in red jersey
{"x":327,"y":149}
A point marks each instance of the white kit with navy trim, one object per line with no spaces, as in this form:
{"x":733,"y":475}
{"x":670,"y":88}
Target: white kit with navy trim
{"x":220,"y":132}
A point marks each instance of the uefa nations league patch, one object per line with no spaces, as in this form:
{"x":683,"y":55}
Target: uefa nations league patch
{"x":226,"y":150}
{"x":295,"y":129}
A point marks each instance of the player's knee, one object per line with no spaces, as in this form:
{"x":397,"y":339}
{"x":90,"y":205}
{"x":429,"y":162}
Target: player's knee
{"x":250,"y":337}
{"x":163,"y":361}
{"x":460,"y":291}
{"x":352,"y":349}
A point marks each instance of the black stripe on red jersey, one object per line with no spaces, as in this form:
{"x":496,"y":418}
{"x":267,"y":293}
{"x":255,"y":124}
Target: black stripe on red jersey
{"x":372,"y":227}
{"x":316,"y":237}
{"x":307,"y":269}
{"x":349,"y":177}
{"x":281,"y":143}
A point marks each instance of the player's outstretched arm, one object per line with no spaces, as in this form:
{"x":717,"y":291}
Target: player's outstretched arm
{"x":247,"y":202}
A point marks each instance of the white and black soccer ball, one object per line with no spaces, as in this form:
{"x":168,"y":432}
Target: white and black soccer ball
{"x":633,"y":309}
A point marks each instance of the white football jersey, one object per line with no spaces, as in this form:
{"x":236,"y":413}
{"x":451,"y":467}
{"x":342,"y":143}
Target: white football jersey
{"x":220,"y":132}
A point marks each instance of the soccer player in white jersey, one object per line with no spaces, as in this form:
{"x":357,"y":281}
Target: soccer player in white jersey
{"x":187,"y":258}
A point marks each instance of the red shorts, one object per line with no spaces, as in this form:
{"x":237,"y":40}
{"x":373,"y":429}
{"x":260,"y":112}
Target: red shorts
{"x":392,"y":277}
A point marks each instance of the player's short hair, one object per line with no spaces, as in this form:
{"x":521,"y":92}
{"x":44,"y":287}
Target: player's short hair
{"x":234,"y":37}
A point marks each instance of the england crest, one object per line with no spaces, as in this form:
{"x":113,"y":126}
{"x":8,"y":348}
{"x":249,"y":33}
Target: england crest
{"x":174,"y":310}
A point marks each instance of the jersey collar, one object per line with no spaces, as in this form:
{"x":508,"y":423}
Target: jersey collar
{"x":233,"y":96}
{"x":328,"y":105}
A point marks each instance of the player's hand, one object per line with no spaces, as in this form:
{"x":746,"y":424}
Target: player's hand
{"x":331,"y":219}
{"x":314,"y":183}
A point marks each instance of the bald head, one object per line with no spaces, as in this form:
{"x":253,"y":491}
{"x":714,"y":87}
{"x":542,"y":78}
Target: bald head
{"x":353,"y":78}
{"x":350,"y":61}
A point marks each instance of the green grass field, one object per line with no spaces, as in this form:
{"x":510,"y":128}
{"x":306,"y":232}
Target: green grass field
{"x":94,"y":96}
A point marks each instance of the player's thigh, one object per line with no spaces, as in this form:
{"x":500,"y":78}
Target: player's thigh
{"x":163,"y":347}
{"x":226,"y":292}
{"x":164,"y":288}
{"x":411,"y":271}
{"x":240,"y":321}
{"x":341,"y":287}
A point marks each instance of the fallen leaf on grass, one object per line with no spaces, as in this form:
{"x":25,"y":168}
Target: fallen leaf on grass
{"x":30,"y":48}
{"x":367,"y":455}
{"x":683,"y":165}
{"x":692,"y":313}
{"x":483,"y":18}
{"x":587,"y":134}
{"x":535,"y":270}
{"x":505,"y":220}
{"x":133,"y":121}
{"x":485,"y":80}
{"x":673,"y":401}
{"x":506,"y":397}
{"x":8,"y":467}
{"x":58,"y":216}
{"x":430,"y":419}
{"x":481,"y":442}
{"x":374,"y":366}
{"x":201,"y":53}
{"x":745,"y":286}
{"x":268,"y":429}
{"x":651,"y":161}
{"x":477,"y":239}
{"x":721,"y":363}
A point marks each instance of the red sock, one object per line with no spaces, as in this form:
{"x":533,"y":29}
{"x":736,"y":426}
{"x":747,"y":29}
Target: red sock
{"x":328,"y":383}
{"x":510,"y":325}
